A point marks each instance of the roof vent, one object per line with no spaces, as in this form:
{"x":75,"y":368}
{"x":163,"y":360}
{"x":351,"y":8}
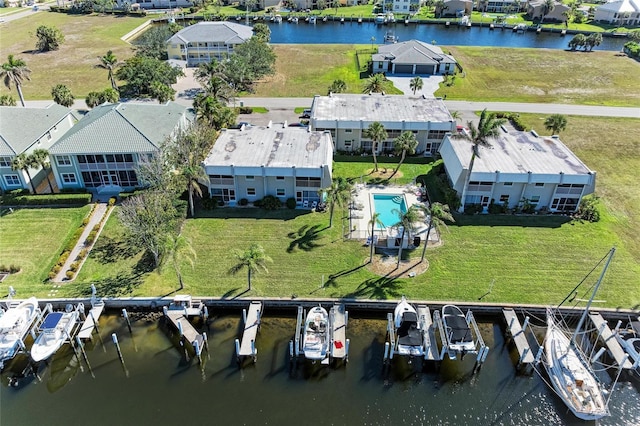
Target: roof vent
{"x":534,"y":133}
{"x":269,"y":124}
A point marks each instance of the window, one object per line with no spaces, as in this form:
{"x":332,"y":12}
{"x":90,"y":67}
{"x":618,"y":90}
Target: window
{"x":348,"y":130}
{"x":249,"y":177}
{"x":437,"y":134}
{"x":5,"y":161}
{"x":221,"y":180}
{"x":480,"y":186}
{"x":572,"y":189}
{"x":508,"y":183}
{"x":539,"y":184}
{"x":504,"y":198}
{"x":279,"y":177}
{"x":12,"y":180}
{"x":308,"y":182}
{"x":347,"y":145}
{"x":565,"y":204}
{"x":280,"y":192}
{"x":69,"y":178}
{"x":63,"y":160}
{"x":251,"y":191}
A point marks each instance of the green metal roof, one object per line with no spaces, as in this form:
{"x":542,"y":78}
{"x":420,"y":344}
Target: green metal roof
{"x":22,"y":127}
{"x":122,"y":128}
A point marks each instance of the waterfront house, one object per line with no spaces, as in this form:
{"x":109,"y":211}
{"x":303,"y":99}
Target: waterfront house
{"x":518,"y":166}
{"x":412,"y":57}
{"x":348,"y":116}
{"x":501,"y":6}
{"x":404,"y":7}
{"x":255,"y":161}
{"x":202,"y":42}
{"x":156,"y":4}
{"x":455,"y":8}
{"x":535,"y":10}
{"x":620,"y":12}
{"x":102,"y":151}
{"x":23,"y":130}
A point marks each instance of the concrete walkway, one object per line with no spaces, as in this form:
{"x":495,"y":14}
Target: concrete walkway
{"x":98,"y":213}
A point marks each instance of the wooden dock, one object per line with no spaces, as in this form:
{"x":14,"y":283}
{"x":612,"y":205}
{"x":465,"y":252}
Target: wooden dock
{"x":517,"y":333}
{"x":431,"y":352}
{"x":338,"y":318}
{"x":247,"y":346}
{"x":90,"y":323}
{"x":181,"y":322}
{"x":606,"y":336}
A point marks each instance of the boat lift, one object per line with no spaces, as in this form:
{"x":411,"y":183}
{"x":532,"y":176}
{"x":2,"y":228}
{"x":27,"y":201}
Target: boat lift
{"x":178,"y":314}
{"x":338,"y":343}
{"x":251,"y":325}
{"x":481,"y":349}
{"x":31,"y":330}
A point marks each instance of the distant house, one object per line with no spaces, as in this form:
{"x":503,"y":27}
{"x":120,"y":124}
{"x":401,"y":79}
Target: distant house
{"x":501,"y":6}
{"x":621,"y":12}
{"x":535,"y":10}
{"x":347,"y":117}
{"x":102,"y":151}
{"x":155,"y":4}
{"x":518,"y":166}
{"x":282,"y":161}
{"x":259,"y":4}
{"x":205,"y":41}
{"x":23,"y":130}
{"x":455,"y":8}
{"x":404,"y":6}
{"x":412,"y":57}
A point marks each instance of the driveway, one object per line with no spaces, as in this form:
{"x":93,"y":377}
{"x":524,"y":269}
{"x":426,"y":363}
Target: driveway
{"x":430,"y":83}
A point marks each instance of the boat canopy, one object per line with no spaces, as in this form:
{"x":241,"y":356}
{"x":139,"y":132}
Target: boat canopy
{"x":51,"y":321}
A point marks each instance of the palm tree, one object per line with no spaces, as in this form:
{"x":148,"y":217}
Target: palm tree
{"x":416,"y":84}
{"x":14,"y":71}
{"x":337,"y":194}
{"x":438,"y":213}
{"x":110,"y":63}
{"x":407,"y":220}
{"x":62,"y":95}
{"x":487,"y":127}
{"x":338,"y":86}
{"x":374,"y":84}
{"x":404,"y":143}
{"x":456,"y":115}
{"x":555,"y":123}
{"x":546,"y":8}
{"x":41,"y":157}
{"x":375,"y":220}
{"x":254,"y":259}
{"x":24,"y":162}
{"x":178,"y":250}
{"x":192,"y":173}
{"x":377,"y":133}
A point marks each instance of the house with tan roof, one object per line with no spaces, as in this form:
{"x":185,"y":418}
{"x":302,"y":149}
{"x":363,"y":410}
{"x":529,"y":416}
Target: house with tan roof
{"x":535,"y":9}
{"x":412,"y":57}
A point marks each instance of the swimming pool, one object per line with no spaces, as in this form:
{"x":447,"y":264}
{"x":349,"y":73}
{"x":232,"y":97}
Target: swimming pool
{"x":387,"y":205}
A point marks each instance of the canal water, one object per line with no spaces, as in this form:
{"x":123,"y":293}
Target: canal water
{"x":162,"y":388}
{"x":354,"y":33}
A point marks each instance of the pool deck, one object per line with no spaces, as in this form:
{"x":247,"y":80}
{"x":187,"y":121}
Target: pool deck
{"x":361,"y":214}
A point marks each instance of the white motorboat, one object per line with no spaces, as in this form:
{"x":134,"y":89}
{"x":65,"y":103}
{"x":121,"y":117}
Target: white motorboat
{"x":316,"y":334}
{"x":380,"y":18}
{"x":390,"y":37}
{"x":629,"y":339}
{"x":15,"y":324}
{"x":569,"y":370}
{"x":457,"y":330}
{"x":56,"y":329}
{"x":408,"y":329}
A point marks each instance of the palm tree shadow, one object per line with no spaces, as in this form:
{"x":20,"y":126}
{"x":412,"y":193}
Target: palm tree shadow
{"x":305,"y":238}
{"x":377,"y":288}
{"x":230,"y":293}
{"x":240,"y":294}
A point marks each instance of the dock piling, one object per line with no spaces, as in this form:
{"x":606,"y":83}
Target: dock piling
{"x":205,"y":342}
{"x":115,"y":342}
{"x":238,"y":350}
{"x":84,"y":355}
{"x":125,"y":314}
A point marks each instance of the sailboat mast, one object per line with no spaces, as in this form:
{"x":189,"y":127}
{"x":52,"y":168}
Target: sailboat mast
{"x":593,"y":295}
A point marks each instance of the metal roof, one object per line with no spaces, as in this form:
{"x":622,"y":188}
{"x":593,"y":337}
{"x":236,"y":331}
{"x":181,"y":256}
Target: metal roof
{"x":521,"y":152}
{"x":276,"y":146}
{"x":412,"y":52}
{"x":377,"y":107}
{"x":122,"y":128}
{"x":21,"y":127}
{"x":216,"y":32}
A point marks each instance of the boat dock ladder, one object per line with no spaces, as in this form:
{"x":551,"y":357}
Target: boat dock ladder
{"x":608,"y":338}
{"x":180,"y":320}
{"x":519,"y":337}
{"x":251,"y":320}
{"x":339,"y":344}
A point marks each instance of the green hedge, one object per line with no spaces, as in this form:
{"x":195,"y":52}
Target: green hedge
{"x":47,"y":199}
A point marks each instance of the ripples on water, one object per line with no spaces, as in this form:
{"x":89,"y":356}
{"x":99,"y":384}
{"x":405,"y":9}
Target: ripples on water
{"x":162,"y":388}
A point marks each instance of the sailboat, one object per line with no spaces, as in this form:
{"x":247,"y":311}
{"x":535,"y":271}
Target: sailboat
{"x":569,"y":370}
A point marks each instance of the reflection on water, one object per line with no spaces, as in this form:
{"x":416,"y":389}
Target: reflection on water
{"x":163,"y":387}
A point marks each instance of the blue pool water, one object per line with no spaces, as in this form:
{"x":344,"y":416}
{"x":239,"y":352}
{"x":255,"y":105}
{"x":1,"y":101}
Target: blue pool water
{"x":388,"y":205}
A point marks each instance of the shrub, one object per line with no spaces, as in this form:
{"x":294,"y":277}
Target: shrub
{"x":112,"y":201}
{"x":257,"y":203}
{"x":588,"y":209}
{"x":245,"y":110}
{"x":291,"y":203}
{"x":14,"y":268}
{"x":209,"y":203}
{"x":271,"y":202}
{"x":85,"y":221}
{"x":52,"y":275}
{"x":83,"y":253}
{"x":473,"y":208}
{"x":74,"y":239}
{"x":90,"y":238}
{"x":56,"y":269}
{"x":74,"y":266}
{"x":63,"y":257}
{"x":243,"y":202}
{"x":70,"y":274}
{"x":514,"y":118}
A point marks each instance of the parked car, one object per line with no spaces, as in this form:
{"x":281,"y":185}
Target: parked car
{"x":306,"y":113}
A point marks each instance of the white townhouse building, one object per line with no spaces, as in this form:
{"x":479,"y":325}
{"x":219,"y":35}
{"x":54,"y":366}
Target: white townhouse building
{"x":202,"y":42}
{"x":517,"y":166}
{"x":22,"y":131}
{"x":286,"y":162}
{"x":348,"y":116}
{"x":619,"y":12}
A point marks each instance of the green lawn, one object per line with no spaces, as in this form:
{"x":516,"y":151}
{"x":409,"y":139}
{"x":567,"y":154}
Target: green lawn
{"x":33,"y":239}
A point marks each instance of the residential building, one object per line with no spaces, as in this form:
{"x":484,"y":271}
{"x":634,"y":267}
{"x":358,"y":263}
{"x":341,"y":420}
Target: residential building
{"x":455,"y":8}
{"x":412,"y":57}
{"x":102,"y":151}
{"x":202,"y":42}
{"x":259,"y":4}
{"x":403,"y":6}
{"x":156,"y":4}
{"x":518,"y":166}
{"x":620,"y":12}
{"x":535,"y":9}
{"x":23,"y":130}
{"x":348,"y":116}
{"x":255,"y":161}
{"x":501,"y":6}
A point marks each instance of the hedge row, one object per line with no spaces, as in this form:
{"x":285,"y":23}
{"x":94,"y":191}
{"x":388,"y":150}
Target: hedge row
{"x":46,"y":199}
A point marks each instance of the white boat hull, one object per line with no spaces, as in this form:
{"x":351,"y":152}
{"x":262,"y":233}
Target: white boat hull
{"x":458,"y":333}
{"x":409,"y":337}
{"x":52,"y":338}
{"x":316,"y":334}
{"x":14,"y":326}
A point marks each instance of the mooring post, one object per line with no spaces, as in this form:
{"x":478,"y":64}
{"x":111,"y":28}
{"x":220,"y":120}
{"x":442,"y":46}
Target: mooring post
{"x":115,"y":342}
{"x":165,"y":311}
{"x":291,"y":350}
{"x":511,"y":323}
{"x":346,"y":318}
{"x":386,"y":351}
{"x":347,"y":351}
{"x":205,"y":339}
{"x":205,"y":313}
{"x":525,"y":324}
{"x":196,"y":347}
{"x":238,"y":350}
{"x":126,"y":317}
{"x":618,"y":324}
{"x":244,"y":318}
{"x":524,"y":354}
{"x":84,"y":355}
{"x":180,"y":330}
{"x":95,"y":325}
{"x":539,"y":354}
{"x":253,"y":349}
